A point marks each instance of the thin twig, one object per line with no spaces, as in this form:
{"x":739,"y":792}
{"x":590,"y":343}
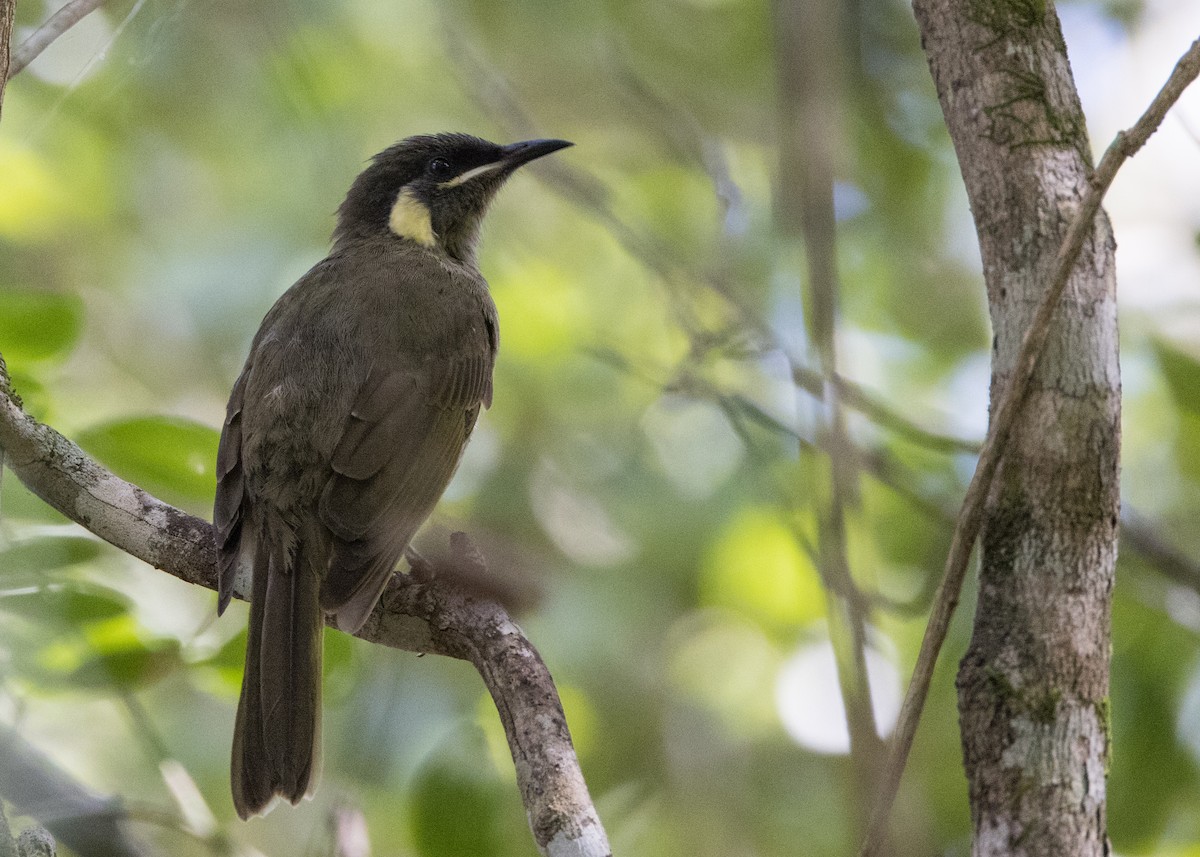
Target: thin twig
{"x":809,"y":86}
{"x":1152,"y":546}
{"x":590,"y":196}
{"x":1137,"y":533}
{"x":61,"y":21}
{"x":855,"y":396}
{"x":1004,"y":418}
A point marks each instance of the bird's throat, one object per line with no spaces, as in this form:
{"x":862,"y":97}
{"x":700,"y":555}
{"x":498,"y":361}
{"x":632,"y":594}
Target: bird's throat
{"x":410,"y":218}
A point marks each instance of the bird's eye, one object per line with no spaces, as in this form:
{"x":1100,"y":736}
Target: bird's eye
{"x":439,"y":168}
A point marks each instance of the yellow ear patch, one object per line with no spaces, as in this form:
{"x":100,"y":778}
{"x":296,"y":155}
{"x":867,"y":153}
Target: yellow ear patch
{"x":410,"y":219}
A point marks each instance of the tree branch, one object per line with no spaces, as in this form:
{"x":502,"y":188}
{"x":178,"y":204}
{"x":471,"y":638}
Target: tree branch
{"x":61,"y":21}
{"x":1004,"y":418}
{"x":8,"y":845}
{"x":424,"y":616}
{"x":90,"y":824}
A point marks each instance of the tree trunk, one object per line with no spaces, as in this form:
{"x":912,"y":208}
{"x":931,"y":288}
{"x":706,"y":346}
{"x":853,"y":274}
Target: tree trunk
{"x":8,"y":11}
{"x":1033,"y":686}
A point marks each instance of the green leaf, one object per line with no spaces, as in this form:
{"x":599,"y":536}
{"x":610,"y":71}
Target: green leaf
{"x":1181,"y":371}
{"x":86,"y":604}
{"x":226,"y":664}
{"x":1150,"y":765}
{"x":31,"y":391}
{"x":136,"y":666}
{"x":45,"y":553}
{"x":1187,"y":445}
{"x":38,"y":325}
{"x":338,"y":657}
{"x":58,"y":609}
{"x":456,"y":806}
{"x":172,"y":458}
{"x":230,"y":656}
{"x":83,"y":637}
{"x":19,"y":504}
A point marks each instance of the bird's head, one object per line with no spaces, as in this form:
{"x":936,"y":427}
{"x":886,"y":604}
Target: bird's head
{"x":434,"y":189}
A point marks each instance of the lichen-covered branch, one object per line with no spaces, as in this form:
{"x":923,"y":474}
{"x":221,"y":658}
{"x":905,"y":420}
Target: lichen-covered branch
{"x":8,"y":845}
{"x":425,"y":616}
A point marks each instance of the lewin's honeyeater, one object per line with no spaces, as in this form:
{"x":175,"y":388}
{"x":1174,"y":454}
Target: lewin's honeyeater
{"x":347,"y":422}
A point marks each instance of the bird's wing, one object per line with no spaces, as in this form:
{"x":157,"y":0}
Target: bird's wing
{"x":396,"y":454}
{"x":227,"y":510}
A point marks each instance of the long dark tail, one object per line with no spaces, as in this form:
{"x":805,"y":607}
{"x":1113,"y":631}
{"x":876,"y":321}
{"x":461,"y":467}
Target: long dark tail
{"x":277,"y":739}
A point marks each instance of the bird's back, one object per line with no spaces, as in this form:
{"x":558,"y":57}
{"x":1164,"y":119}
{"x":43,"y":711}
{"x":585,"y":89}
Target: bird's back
{"x":363,"y":309}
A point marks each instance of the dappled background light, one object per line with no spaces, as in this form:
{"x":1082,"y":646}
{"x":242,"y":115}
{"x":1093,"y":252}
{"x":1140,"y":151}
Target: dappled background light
{"x":649,"y":481}
{"x":810,"y":704}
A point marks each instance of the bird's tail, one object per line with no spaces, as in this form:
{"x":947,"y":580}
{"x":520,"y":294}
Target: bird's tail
{"x":277,"y":738}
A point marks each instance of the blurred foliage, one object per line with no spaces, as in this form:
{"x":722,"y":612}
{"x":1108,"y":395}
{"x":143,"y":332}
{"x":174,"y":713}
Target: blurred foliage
{"x":169,"y":167}
{"x":169,"y":457}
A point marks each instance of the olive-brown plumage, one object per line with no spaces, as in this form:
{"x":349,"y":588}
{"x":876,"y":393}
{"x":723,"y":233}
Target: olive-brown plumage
{"x":348,"y":420}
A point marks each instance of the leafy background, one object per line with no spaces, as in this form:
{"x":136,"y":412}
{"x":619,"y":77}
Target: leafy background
{"x":644,"y":483}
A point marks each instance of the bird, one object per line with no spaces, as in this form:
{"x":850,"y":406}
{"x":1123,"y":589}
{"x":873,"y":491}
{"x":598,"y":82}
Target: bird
{"x":347,"y":422}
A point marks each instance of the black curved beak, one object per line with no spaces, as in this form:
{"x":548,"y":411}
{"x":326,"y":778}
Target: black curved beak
{"x":518,"y":154}
{"x":511,"y":157}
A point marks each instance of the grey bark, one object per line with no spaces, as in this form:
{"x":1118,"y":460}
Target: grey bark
{"x":36,"y":842}
{"x":8,"y":845}
{"x":8,"y":11}
{"x":1033,"y":686}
